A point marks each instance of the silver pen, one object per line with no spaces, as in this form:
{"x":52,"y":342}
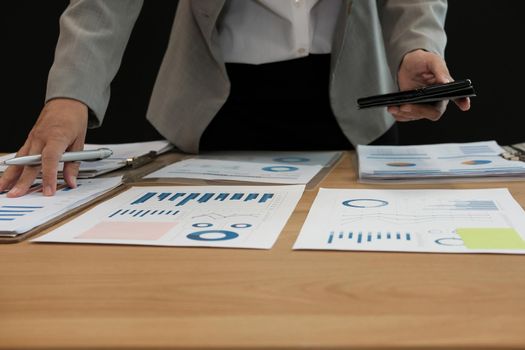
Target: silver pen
{"x":88,"y":155}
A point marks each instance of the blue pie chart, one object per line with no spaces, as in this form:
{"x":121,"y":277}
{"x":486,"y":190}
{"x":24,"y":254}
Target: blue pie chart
{"x":291,"y":159}
{"x":280,"y":168}
{"x":365,"y":203}
{"x":212,"y":235}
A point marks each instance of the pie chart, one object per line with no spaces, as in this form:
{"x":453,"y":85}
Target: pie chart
{"x":400,"y":164}
{"x":476,"y":162}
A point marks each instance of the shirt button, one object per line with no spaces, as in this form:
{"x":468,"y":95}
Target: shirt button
{"x":301,"y":51}
{"x":297,"y":2}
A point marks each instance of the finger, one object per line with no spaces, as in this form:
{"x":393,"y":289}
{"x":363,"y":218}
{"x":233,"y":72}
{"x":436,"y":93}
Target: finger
{"x":12,"y":173}
{"x":70,"y":173}
{"x":28,"y":173}
{"x":463,"y":103}
{"x":439,"y":68}
{"x":9,"y":177}
{"x":420,"y":111}
{"x":50,"y":158}
{"x":404,"y":118}
{"x":401,"y":116}
{"x":26,"y":179}
{"x":71,"y":169}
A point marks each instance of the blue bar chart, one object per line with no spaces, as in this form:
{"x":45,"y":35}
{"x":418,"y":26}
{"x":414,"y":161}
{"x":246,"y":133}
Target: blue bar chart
{"x":222,"y":196}
{"x":180,"y":199}
{"x":413,"y":220}
{"x":360,"y":237}
{"x":12,"y":212}
{"x":251,"y":196}
{"x":208,"y":216}
{"x":470,"y":205}
{"x":141,"y":213}
{"x":67,"y":188}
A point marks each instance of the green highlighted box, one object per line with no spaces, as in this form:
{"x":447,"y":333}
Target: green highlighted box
{"x":491,"y":238}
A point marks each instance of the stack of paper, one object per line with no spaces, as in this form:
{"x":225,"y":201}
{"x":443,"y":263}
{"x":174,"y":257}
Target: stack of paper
{"x":212,"y":169}
{"x":451,"y":161}
{"x":123,"y":154}
{"x":261,"y":166}
{"x":19,"y":215}
{"x":323,"y":158}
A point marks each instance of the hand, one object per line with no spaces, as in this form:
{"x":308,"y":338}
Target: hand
{"x":421,"y":68}
{"x":61,"y":127}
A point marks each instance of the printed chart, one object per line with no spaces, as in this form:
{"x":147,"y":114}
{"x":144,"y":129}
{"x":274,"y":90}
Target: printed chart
{"x":212,"y":169}
{"x":18,"y":215}
{"x":210,"y":216}
{"x":441,"y":161}
{"x":439,"y":221}
{"x":323,"y":158}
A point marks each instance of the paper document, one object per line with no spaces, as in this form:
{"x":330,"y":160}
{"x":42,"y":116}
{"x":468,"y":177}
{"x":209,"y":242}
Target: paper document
{"x":433,"y":221}
{"x":205,"y":216}
{"x":121,"y":153}
{"x":440,"y":162}
{"x":323,"y":158}
{"x":19,"y":215}
{"x":212,"y":169}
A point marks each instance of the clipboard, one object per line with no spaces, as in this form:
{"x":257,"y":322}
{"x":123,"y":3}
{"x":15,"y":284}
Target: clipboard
{"x":139,"y":179}
{"x":15,"y":237}
{"x":428,"y":94}
{"x":514,"y":152}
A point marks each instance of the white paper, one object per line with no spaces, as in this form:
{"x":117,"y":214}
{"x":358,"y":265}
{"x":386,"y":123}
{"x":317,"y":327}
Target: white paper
{"x":212,"y":169}
{"x":409,"y":220}
{"x":441,"y":161}
{"x":121,"y":152}
{"x":205,"y":216}
{"x":323,"y":158}
{"x":19,"y":215}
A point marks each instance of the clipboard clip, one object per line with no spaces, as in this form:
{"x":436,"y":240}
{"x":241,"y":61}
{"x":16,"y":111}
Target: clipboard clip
{"x":513,"y":153}
{"x":139,"y":161}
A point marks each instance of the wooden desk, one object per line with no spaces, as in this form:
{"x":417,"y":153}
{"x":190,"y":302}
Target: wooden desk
{"x":121,"y":297}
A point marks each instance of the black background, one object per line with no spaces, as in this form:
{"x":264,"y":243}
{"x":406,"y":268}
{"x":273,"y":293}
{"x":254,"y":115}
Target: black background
{"x":484,"y":45}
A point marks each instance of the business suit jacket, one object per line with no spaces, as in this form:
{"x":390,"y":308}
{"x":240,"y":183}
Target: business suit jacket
{"x":370,"y":40}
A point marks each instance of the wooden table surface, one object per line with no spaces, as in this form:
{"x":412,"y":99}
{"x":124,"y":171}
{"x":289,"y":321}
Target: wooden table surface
{"x":59,"y":296}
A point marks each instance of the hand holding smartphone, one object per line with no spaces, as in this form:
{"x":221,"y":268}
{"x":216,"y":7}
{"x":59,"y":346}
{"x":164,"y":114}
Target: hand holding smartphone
{"x":427,"y":94}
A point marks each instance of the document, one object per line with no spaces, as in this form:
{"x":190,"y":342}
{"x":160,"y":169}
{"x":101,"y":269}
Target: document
{"x":19,"y":215}
{"x":212,"y":169}
{"x":123,"y":154}
{"x":323,"y":158}
{"x":203,"y":216}
{"x":440,"y":162}
{"x":431,"y":221}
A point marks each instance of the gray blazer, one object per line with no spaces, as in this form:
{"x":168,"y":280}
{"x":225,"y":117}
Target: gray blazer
{"x":370,"y":40}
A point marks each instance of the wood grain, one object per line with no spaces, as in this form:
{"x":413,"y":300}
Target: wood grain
{"x":58,"y":296}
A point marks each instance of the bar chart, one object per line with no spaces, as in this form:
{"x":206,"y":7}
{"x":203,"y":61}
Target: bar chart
{"x":180,"y":198}
{"x":21,"y":214}
{"x":142,"y":213}
{"x":368,"y":237}
{"x":431,"y":220}
{"x":210,"y":216}
{"x":13,"y":212}
{"x":469,"y":205}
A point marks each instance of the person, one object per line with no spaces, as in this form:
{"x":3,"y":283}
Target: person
{"x":204,"y":89}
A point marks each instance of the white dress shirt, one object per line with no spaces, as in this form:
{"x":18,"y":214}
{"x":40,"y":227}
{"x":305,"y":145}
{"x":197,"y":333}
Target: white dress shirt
{"x":263,"y":31}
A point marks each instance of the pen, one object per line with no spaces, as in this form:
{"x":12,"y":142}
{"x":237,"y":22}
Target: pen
{"x":89,"y":155}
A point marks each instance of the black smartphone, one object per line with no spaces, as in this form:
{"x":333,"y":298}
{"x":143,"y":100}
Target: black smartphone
{"x":427,"y":94}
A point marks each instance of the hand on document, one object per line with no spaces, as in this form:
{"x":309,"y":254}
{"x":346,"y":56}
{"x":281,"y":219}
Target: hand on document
{"x":61,"y":127}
